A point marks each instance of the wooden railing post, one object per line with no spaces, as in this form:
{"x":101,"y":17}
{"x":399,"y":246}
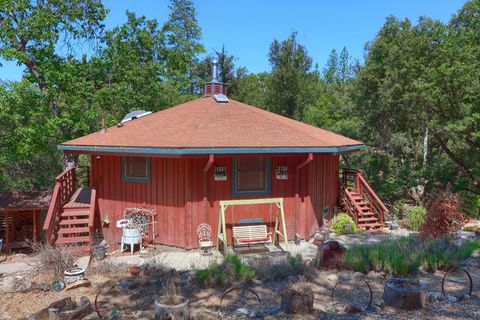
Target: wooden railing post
{"x":63,"y":190}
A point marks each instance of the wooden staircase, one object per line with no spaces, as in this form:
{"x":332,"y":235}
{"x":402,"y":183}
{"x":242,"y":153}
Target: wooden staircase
{"x":359,"y":200}
{"x":70,"y":217}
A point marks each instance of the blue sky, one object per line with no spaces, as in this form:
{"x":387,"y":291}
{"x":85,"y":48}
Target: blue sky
{"x":247,"y":27}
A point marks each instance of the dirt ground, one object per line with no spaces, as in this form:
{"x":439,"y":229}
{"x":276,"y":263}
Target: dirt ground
{"x":129,"y":293}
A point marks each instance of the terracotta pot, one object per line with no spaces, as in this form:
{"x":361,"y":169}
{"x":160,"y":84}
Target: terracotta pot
{"x":134,"y":270}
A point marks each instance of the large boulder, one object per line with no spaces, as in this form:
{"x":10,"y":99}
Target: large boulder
{"x":15,"y":284}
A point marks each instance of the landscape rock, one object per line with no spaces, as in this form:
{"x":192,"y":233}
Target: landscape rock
{"x":114,"y":314}
{"x":62,"y":304}
{"x":332,"y":277}
{"x":5,"y":315}
{"x":241,"y":313}
{"x":451,"y":298}
{"x":254,"y":314}
{"x":331,"y":309}
{"x":298,"y":299}
{"x":465,"y":296}
{"x":476,"y":253}
{"x":78,"y":284}
{"x":357,"y":276}
{"x":15,"y":284}
{"x":203,"y":314}
{"x":147,"y":315}
{"x":434,"y":297}
{"x":353,"y":308}
{"x":373,"y":275}
{"x":92,"y":316}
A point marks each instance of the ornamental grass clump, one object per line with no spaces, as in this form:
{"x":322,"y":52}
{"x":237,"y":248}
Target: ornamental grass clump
{"x":232,"y":270}
{"x":405,"y":255}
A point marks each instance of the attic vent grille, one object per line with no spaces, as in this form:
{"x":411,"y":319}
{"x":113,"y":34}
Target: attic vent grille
{"x":221,"y":98}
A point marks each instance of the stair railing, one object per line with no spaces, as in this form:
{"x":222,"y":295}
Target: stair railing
{"x":377,"y":206}
{"x":348,"y":203}
{"x":64,"y":188}
{"x":352,"y":180}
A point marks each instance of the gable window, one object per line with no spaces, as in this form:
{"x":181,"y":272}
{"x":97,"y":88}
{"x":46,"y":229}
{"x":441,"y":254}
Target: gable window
{"x":251,"y":176}
{"x":136,"y":169}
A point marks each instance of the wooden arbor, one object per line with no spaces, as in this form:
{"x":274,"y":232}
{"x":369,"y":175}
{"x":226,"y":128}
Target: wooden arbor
{"x":224,"y":204}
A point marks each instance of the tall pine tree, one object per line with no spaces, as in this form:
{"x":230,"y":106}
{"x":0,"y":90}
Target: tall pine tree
{"x":183,"y":36}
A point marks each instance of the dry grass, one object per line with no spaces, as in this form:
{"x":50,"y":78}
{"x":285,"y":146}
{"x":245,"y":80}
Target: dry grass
{"x":54,"y":260}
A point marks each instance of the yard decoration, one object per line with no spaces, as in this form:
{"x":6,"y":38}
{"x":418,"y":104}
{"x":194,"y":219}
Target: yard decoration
{"x":404,"y":293}
{"x":330,"y":254}
{"x":205,"y":242}
{"x":74,"y":274}
{"x":461,"y":270}
{"x":171,"y":304}
{"x":353,"y":304}
{"x":135,"y":226}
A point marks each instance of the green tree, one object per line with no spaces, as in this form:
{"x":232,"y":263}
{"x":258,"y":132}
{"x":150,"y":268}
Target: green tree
{"x":183,"y":36}
{"x":330,"y":72}
{"x":288,"y":93}
{"x":30,"y":31}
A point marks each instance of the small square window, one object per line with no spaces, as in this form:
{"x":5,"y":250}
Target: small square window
{"x":251,"y":176}
{"x":136,"y":169}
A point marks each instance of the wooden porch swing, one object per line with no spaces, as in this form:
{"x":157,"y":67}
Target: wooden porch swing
{"x":251,"y":234}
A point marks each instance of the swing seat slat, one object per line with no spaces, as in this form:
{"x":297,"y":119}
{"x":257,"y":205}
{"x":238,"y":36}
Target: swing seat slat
{"x":251,"y":234}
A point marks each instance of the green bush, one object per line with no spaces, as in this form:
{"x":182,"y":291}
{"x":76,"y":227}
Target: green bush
{"x":416,"y":217}
{"x":405,"y":255}
{"x":342,"y":220}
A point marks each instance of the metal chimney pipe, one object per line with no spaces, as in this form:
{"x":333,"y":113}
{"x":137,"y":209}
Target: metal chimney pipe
{"x":214,"y":70}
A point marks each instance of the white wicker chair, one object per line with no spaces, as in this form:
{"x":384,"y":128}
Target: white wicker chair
{"x":205,"y":242}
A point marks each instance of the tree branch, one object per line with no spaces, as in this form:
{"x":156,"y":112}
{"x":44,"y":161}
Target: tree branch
{"x":457,"y":161}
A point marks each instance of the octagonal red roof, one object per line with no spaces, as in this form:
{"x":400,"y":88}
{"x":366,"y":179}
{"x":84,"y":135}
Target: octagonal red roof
{"x":206,"y":126}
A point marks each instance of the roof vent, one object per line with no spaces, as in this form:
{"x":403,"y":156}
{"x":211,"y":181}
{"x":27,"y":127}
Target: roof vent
{"x":221,"y":98}
{"x":135,"y":115}
{"x":215,"y":87}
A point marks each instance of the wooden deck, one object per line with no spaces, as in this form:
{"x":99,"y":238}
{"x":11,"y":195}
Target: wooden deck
{"x":80,"y":199}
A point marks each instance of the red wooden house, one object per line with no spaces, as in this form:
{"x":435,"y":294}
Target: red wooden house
{"x":183,"y":160}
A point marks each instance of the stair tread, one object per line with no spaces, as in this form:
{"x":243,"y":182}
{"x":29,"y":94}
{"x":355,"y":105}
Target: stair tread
{"x":74,"y":230}
{"x":67,"y":222}
{"x":75,"y":213}
{"x":374,"y":224}
{"x":368,"y":219}
{"x":67,"y":240}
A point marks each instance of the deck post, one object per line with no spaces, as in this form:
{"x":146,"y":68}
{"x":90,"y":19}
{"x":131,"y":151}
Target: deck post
{"x":7,"y":232}
{"x":34,"y":220}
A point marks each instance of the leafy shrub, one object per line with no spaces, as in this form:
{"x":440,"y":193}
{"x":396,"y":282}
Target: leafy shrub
{"x":342,"y":220}
{"x":416,"y":217}
{"x":443,"y":217}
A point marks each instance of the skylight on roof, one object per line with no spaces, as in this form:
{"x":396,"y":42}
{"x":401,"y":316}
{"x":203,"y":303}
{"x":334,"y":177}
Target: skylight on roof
{"x":221,"y":98}
{"x":135,"y":115}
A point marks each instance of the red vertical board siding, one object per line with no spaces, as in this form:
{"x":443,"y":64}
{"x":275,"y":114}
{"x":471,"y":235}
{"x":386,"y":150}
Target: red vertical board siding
{"x":176,"y":193}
